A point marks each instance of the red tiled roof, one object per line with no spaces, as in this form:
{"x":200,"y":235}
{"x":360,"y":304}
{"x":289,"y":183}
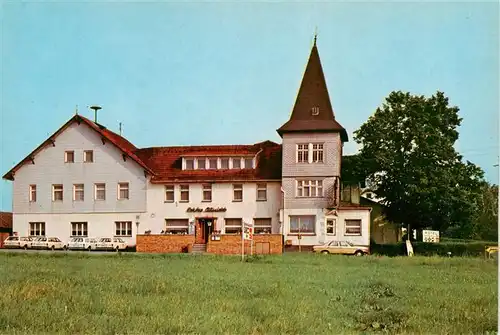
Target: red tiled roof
{"x":5,"y":220}
{"x":166,"y":162}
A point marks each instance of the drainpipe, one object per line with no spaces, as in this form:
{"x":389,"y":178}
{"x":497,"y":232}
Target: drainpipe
{"x":283,"y":222}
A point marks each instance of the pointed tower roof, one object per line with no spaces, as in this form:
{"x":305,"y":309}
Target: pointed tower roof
{"x":313,"y":110}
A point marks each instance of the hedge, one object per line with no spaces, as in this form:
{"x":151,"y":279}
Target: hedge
{"x":432,"y":249}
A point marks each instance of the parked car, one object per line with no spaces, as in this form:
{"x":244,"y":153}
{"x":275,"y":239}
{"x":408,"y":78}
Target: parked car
{"x":18,"y":242}
{"x":111,"y":243}
{"x":82,"y":243}
{"x":343,"y":248}
{"x":52,"y":243}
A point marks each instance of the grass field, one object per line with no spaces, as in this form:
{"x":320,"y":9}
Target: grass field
{"x":293,"y":294}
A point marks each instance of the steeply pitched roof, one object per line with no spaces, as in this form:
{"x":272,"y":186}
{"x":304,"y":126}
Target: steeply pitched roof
{"x":167,"y":162}
{"x":5,"y":220}
{"x":313,"y":93}
{"x":107,"y":135}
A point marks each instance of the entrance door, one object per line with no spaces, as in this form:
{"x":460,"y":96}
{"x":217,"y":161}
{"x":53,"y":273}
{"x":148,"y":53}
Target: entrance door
{"x":203,"y":229}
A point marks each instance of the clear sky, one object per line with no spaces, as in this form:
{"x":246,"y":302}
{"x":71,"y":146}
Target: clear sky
{"x":228,"y":73}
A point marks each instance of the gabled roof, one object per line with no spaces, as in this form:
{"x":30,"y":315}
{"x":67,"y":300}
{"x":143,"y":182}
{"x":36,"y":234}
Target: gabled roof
{"x":167,"y":162}
{"x":118,"y":141}
{"x":313,"y":92}
{"x":6,"y":220}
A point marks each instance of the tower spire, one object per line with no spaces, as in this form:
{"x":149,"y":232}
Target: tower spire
{"x":315,"y":35}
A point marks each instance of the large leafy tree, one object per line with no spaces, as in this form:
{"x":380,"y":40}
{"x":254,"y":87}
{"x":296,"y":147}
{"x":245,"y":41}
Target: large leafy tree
{"x":408,"y":155}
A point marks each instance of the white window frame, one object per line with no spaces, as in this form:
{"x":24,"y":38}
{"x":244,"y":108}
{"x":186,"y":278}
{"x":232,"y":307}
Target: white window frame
{"x":185,"y":228}
{"x":261,"y":187}
{"x":66,"y":156}
{"x":237,"y":189}
{"x":246,"y":160}
{"x":36,"y":228}
{"x":318,"y":150}
{"x":186,"y":160}
{"x":97,"y":187}
{"x":233,"y":226}
{"x":123,"y":228}
{"x":236,"y":159}
{"x":331,"y":223}
{"x":311,"y":185}
{"x":78,"y":188}
{"x":61,"y":190}
{"x":170,"y":190}
{"x":206,"y":188}
{"x":302,"y":153}
{"x":86,"y":158}
{"x":210,"y":161}
{"x":184,"y":188}
{"x":32,"y":193}
{"x":123,"y":186}
{"x":201,"y":166}
{"x":257,"y":225}
{"x":352,"y":226}
{"x":81,"y":229}
{"x":302,"y":232}
{"x":224,"y":159}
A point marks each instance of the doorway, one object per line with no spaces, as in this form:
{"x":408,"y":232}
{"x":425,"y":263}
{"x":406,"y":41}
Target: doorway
{"x":204,"y":227}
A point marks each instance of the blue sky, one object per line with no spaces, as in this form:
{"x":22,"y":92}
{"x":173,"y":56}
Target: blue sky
{"x":228,"y":73}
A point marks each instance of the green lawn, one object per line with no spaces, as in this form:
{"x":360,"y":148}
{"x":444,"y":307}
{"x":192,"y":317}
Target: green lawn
{"x":293,"y":294}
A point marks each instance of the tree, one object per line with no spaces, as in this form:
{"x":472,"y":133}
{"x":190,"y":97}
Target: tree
{"x":408,"y":155}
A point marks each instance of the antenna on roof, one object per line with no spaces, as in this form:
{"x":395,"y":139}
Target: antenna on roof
{"x":120,"y":128}
{"x":76,"y":110}
{"x":315,"y":34}
{"x":95,"y":108}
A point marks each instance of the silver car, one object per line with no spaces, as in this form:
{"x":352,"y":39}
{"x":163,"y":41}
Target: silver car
{"x":18,"y":242}
{"x":82,"y":243}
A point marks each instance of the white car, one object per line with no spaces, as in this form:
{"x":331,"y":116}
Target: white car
{"x":111,"y":243}
{"x":18,"y":242}
{"x":82,"y":243}
{"x":52,"y":243}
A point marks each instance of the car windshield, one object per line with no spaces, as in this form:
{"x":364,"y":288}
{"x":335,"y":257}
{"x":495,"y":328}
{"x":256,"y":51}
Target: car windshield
{"x":54,"y":239}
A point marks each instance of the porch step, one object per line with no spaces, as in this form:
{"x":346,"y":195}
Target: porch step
{"x":199,"y":248}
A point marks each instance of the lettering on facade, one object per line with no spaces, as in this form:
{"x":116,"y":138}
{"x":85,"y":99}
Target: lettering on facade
{"x":208,"y":209}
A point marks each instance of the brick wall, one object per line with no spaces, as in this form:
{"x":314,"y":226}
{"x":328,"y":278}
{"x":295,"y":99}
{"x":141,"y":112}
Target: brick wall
{"x":231,"y":245}
{"x":164,"y":243}
{"x":3,"y":237}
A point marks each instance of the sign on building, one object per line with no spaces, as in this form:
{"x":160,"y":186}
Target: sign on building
{"x":430,"y":236}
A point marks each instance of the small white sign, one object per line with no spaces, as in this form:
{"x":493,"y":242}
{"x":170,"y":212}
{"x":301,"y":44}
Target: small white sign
{"x":430,"y":236}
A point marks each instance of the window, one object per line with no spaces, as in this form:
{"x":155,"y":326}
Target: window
{"x":169,"y":193}
{"x":237,"y":192}
{"x":248,"y":163}
{"x":212,"y":163}
{"x":262,"y":226}
{"x":177,"y":226}
{"x":303,"y":224}
{"x":88,"y":156}
{"x":309,"y":188}
{"x":353,"y":227}
{"x":69,"y":157}
{"x":207,"y":192}
{"x":201,"y":163}
{"x":224,"y":163}
{"x":302,"y":153}
{"x":79,"y":229}
{"x":123,"y":228}
{"x":317,"y":153}
{"x":261,"y":192}
{"x":78,"y":192}
{"x":57,"y":192}
{"x":189,"y":164}
{"x":315,"y":111}
{"x":32,"y":194}
{"x":184,"y":193}
{"x":37,"y":228}
{"x":100,"y":191}
{"x":331,"y":227}
{"x":232,"y":226}
{"x":237,"y":163}
{"x":123,"y":191}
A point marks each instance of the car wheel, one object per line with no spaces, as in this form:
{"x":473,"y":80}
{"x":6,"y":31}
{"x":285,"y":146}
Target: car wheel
{"x":325,"y":252}
{"x":359,"y":253}
{"x":65,"y":248}
{"x":25,"y":247}
{"x":52,"y":248}
{"x":117,"y":249}
{"x":89,"y":248}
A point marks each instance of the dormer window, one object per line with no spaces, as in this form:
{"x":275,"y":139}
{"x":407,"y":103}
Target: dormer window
{"x":248,"y":163}
{"x":315,"y":110}
{"x":224,"y":163}
{"x":189,"y":164}
{"x":215,"y":163}
{"x":212,"y":163}
{"x":237,"y":163}
{"x":202,"y":163}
